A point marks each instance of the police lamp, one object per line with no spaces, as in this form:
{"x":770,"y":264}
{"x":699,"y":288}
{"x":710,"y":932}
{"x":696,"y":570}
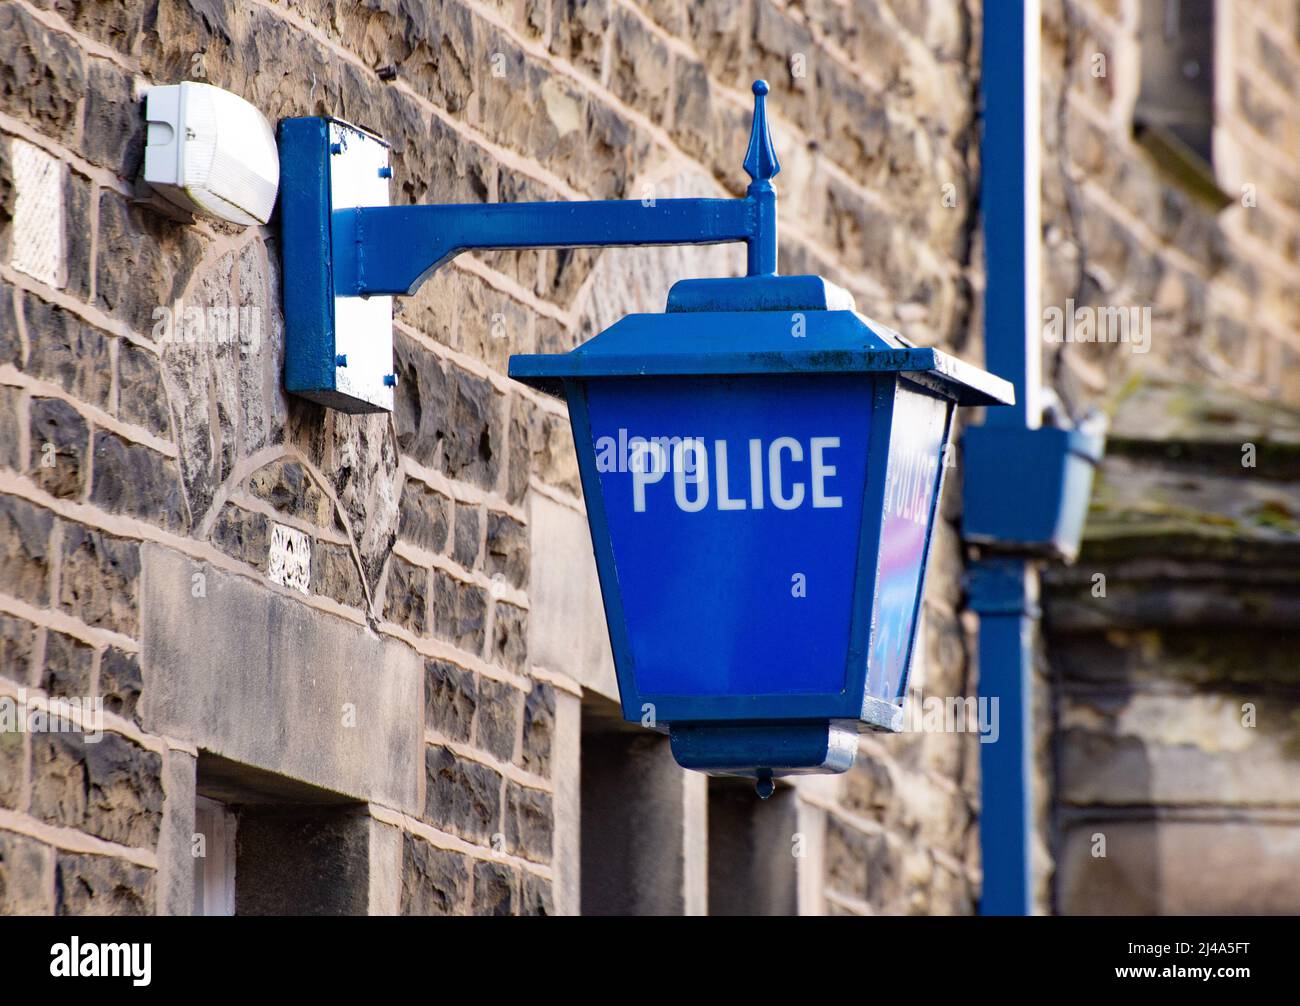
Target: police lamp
{"x":761,"y":467}
{"x":761,"y":464}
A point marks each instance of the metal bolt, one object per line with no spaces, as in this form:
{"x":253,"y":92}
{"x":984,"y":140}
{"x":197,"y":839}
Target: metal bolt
{"x":390,"y":380}
{"x":385,"y":172}
{"x":341,"y":360}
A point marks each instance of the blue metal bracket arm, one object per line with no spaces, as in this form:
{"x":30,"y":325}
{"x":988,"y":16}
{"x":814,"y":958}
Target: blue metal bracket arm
{"x":393,"y":249}
{"x":346,"y":251}
{"x":380,"y":250}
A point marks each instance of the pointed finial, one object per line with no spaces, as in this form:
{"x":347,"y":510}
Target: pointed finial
{"x":760,"y":161}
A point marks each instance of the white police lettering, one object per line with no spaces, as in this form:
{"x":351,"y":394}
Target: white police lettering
{"x":786,"y":473}
{"x":911,"y":485}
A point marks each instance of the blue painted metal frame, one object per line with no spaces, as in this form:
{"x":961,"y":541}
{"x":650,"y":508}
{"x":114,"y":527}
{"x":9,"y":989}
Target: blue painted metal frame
{"x":305,"y":230}
{"x":757,"y":342}
{"x":396,"y":248}
{"x":390,"y":250}
{"x":743,"y":327}
{"x":381,"y":250}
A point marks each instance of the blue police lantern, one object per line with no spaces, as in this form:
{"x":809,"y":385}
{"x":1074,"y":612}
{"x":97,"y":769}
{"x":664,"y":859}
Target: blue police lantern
{"x":762,"y":468}
{"x":761,"y":464}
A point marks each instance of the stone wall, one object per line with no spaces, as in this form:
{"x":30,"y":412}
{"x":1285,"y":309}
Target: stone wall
{"x":422,"y":697}
{"x":1172,"y":646}
{"x":1169,"y":713}
{"x":1220,"y":282}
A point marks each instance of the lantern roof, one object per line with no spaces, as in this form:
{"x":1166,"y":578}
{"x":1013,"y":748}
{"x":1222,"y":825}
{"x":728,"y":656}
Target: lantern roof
{"x":758,"y":325}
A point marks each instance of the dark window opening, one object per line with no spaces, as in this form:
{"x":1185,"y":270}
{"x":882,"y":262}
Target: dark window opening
{"x":265,"y":844}
{"x":1174,"y":116}
{"x":632,"y":811}
{"x":753,"y":850}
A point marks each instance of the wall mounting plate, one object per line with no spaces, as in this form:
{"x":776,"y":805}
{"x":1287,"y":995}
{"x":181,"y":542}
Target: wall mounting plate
{"x":338,"y":348}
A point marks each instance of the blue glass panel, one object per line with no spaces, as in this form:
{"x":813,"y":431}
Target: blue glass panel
{"x":734,"y":508}
{"x":915,"y":471}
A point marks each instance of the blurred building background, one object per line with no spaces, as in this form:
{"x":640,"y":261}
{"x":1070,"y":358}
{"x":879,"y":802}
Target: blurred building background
{"x":428,"y":724}
{"x":1170,"y":712}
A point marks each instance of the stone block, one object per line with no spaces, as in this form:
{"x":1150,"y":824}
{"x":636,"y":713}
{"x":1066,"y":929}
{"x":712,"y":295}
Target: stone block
{"x":43,"y":77}
{"x":469,"y":524}
{"x":176,"y":894}
{"x":244,"y":535}
{"x":334,"y":574}
{"x":459,"y":612}
{"x":261,"y":679}
{"x":13,"y":765}
{"x":406,"y":599}
{"x":578,"y":30}
{"x":497,"y":727}
{"x":450,"y":699}
{"x":113,"y":134}
{"x":80,"y":197}
{"x":439,"y":405}
{"x":566,"y":629}
{"x":1243,"y":866}
{"x":67,"y":666}
{"x":16,"y":639}
{"x":434,"y":881}
{"x":25,"y":549}
{"x":111,"y":788}
{"x":530,"y":822}
{"x":536,"y":897}
{"x":141,"y":394}
{"x":69,"y":352}
{"x":425,"y":517}
{"x":496,"y":889}
{"x":640,"y":66}
{"x":102,"y":885}
{"x":60,"y":448}
{"x":289,"y":488}
{"x":26,"y":876}
{"x":13,"y":418}
{"x":538,"y":730}
{"x":463,"y":796}
{"x":120,"y":682}
{"x":144,"y":261}
{"x":507,"y":549}
{"x":510,"y":637}
{"x":136,"y":480}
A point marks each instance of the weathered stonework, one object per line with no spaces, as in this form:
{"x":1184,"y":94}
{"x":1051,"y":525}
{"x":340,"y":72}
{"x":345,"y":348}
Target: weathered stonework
{"x":1169,"y":627}
{"x":99,"y":885}
{"x":452,"y":616}
{"x":110,"y":788}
